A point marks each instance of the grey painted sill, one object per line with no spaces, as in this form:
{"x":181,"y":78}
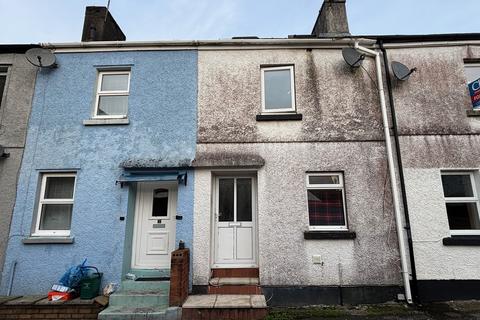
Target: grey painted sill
{"x":329,"y":235}
{"x":101,"y":122}
{"x":473,"y":113}
{"x":48,"y":240}
{"x":279,"y":117}
{"x":473,"y":240}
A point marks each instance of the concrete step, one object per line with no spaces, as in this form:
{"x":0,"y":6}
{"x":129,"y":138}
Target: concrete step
{"x":233,"y":281}
{"x":137,"y":286}
{"x":144,"y":313}
{"x":220,"y":306}
{"x":150,"y":273}
{"x":138,"y":299}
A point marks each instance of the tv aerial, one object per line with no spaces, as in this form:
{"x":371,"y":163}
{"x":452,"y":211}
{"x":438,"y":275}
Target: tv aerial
{"x":41,"y":57}
{"x":401,"y":71}
{"x":352,"y":57}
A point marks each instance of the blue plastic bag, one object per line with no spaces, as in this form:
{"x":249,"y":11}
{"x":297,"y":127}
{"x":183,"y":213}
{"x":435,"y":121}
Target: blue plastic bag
{"x":73,"y":276}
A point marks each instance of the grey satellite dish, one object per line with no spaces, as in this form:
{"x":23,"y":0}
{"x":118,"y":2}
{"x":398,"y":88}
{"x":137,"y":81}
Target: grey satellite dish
{"x":40,"y":57}
{"x":352,"y":57}
{"x":401,"y":71}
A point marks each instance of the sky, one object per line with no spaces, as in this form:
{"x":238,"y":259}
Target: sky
{"x":34,"y":21}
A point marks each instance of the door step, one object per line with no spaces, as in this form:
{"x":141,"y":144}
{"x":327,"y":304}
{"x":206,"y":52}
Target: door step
{"x":234,"y":286}
{"x":139,"y":300}
{"x":235,"y":273}
{"x":224,"y":306}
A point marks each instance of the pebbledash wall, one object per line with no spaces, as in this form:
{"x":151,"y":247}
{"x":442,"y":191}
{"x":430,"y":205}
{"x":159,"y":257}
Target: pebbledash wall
{"x":162,"y":126}
{"x":341,"y":130}
{"x":438,"y":133}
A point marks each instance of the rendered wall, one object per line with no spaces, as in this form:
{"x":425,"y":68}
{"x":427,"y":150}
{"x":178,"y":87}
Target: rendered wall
{"x":161,"y":111}
{"x":285,"y":257}
{"x":341,"y":130}
{"x":14,"y":113}
{"x":436,"y":134}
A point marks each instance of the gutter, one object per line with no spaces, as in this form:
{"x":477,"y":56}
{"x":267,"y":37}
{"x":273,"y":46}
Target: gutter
{"x":400,"y":169}
{"x":249,"y":44}
{"x":391,"y":167}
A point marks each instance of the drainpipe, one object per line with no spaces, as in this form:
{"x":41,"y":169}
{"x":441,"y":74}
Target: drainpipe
{"x":391,"y":168}
{"x":400,"y":173}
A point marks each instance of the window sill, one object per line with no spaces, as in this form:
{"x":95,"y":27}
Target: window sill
{"x":280,"y":117}
{"x":48,"y":240}
{"x":462,"y":241}
{"x":100,"y":122}
{"x":473,"y":113}
{"x":329,"y":235}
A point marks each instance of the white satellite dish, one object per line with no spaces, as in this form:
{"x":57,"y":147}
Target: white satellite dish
{"x":40,"y":57}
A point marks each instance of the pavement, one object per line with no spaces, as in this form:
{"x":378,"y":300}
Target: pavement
{"x":441,"y":310}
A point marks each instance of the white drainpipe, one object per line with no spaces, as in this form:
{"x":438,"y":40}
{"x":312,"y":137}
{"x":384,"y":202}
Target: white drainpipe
{"x":391,"y":167}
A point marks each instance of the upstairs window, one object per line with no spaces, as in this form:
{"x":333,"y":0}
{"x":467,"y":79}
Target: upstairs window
{"x":278,"y":89}
{"x":55,"y":204}
{"x":472,"y":72}
{"x":461,"y":201}
{"x":112,"y":94}
{"x":326,"y":201}
{"x":3,"y":81}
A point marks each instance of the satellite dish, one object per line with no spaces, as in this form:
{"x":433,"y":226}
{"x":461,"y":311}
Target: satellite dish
{"x":40,"y":57}
{"x":401,"y":71}
{"x":352,"y":57}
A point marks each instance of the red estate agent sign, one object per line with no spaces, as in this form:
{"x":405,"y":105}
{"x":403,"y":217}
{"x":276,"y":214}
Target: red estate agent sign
{"x":474,"y":88}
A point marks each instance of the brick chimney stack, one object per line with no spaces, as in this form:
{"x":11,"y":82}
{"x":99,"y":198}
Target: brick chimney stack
{"x":99,"y":25}
{"x":332,"y":20}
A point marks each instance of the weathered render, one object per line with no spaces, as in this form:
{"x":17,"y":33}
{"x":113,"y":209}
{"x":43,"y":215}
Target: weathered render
{"x":14,"y":113}
{"x":341,"y":130}
{"x":437,"y":134}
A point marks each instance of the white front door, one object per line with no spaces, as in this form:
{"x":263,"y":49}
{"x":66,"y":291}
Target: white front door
{"x":154,"y":229}
{"x":235,"y":222}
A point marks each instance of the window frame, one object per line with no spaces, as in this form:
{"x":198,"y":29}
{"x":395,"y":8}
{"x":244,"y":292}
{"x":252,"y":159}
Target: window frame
{"x":291,"y":68}
{"x":99,"y":93}
{"x":340,"y":185}
{"x":4,"y":73}
{"x":42,"y":201}
{"x":474,"y":199}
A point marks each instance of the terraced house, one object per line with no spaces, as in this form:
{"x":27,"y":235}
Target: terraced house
{"x":323,"y":168}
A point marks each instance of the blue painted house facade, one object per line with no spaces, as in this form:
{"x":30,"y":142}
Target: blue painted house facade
{"x":105,"y":175}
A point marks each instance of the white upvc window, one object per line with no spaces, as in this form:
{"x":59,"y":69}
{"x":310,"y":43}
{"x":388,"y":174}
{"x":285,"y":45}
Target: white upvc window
{"x":461,"y":201}
{"x":326,"y":201}
{"x":278,"y":89}
{"x":55,"y":204}
{"x":113,"y":88}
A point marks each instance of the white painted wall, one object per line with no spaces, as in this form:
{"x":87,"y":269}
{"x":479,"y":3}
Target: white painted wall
{"x":429,"y":222}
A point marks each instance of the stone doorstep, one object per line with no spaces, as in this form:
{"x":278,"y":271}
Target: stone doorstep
{"x":233,"y":281}
{"x":225,"y":301}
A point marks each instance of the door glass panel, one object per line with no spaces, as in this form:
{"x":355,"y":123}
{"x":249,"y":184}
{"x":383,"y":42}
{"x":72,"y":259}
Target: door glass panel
{"x":244,"y":199}
{"x":225,"y":200}
{"x":160,"y":203}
